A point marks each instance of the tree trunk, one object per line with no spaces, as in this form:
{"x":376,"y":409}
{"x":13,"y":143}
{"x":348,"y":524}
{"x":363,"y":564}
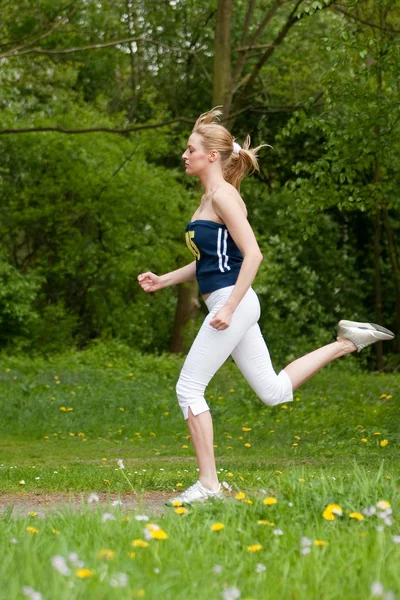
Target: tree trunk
{"x":396,"y":269}
{"x":186,"y":310}
{"x":222,"y":90}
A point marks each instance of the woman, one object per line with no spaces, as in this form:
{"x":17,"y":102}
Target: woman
{"x":227,"y":257}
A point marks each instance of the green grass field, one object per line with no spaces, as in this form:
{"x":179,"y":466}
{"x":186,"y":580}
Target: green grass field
{"x":68,"y":419}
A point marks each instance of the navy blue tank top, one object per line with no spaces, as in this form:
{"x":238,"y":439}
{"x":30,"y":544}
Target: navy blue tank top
{"x":218,"y":259}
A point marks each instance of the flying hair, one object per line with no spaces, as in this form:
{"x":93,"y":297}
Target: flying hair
{"x":235,"y":164}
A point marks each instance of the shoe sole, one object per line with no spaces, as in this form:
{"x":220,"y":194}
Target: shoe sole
{"x":371,"y":326}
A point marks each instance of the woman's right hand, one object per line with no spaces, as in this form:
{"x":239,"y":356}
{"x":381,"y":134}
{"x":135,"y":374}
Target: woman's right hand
{"x":149,"y":282}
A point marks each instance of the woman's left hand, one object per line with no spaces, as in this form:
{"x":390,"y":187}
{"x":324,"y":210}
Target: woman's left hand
{"x":222,"y":319}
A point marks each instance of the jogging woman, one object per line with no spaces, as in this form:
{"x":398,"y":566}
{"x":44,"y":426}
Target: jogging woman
{"x":227,"y":257}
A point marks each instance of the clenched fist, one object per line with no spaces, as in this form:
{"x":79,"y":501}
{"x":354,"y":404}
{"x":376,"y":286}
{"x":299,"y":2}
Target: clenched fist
{"x":150,"y":282}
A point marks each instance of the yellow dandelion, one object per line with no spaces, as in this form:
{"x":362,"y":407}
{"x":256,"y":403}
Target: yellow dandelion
{"x":232,"y":390}
{"x":240,"y":496}
{"x":383,"y":504}
{"x":254,"y":548}
{"x":230,"y":475}
{"x":33,"y":513}
{"x":265,"y":522}
{"x":63,"y":408}
{"x":328,"y":515}
{"x":295,"y":444}
{"x":176,"y":503}
{"x":181,"y":511}
{"x":107,"y":554}
{"x":72,"y":434}
{"x":131,"y":554}
{"x":217,"y":526}
{"x":246,"y":428}
{"x":384,"y":443}
{"x":130,"y":374}
{"x":84,"y":573}
{"x":107,"y":481}
{"x":377,"y":433}
{"x":331,"y":510}
{"x":139,"y":543}
{"x":166,"y":414}
{"x":121,"y":409}
{"x":32,"y":530}
{"x":158,"y":534}
{"x":283,"y":406}
{"x":356,"y":515}
{"x":297,"y":437}
{"x":320,"y":543}
{"x":240,"y":437}
{"x":248,"y":445}
{"x":55,"y":531}
{"x":270,"y":501}
{"x":301,"y":480}
{"x":45,"y":437}
{"x":179,"y":484}
{"x":364,"y":439}
{"x":104,"y":459}
{"x":69,"y":409}
{"x":278,"y":472}
{"x":382,"y":396}
{"x":248,"y":501}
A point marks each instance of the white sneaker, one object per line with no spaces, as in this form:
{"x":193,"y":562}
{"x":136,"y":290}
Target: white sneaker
{"x":363,"y":334}
{"x":197,"y":493}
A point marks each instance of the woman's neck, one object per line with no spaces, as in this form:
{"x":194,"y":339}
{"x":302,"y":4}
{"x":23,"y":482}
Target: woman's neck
{"x":211,"y":181}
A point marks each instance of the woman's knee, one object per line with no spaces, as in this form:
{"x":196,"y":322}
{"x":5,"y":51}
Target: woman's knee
{"x":279,"y":392}
{"x":190,"y":398}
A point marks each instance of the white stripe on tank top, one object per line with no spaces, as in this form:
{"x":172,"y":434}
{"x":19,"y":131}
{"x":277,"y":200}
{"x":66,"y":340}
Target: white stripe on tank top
{"x":225,"y":248}
{"x":221,"y":268}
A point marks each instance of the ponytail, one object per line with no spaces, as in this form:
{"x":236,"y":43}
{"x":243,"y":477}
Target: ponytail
{"x":236,"y":162}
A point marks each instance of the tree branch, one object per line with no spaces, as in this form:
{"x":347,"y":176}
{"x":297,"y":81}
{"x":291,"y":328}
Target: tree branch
{"x":97,"y":47}
{"x":340,"y":9}
{"x":242,"y":59}
{"x":292,"y":19}
{"x":98,"y":129}
{"x":14,"y":51}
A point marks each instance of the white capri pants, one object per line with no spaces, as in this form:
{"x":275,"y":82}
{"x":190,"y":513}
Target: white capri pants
{"x":242,"y":340}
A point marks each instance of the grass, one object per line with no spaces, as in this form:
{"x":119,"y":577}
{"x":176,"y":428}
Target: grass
{"x":52,"y":449}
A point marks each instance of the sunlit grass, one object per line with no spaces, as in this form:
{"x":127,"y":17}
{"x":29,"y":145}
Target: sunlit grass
{"x":290,"y":466}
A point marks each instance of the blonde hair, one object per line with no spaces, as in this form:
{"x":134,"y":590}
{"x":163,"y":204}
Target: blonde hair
{"x":235,"y":165}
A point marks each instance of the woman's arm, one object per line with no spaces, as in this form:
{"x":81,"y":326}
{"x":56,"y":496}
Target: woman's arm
{"x":151,"y":282}
{"x":227,"y":208}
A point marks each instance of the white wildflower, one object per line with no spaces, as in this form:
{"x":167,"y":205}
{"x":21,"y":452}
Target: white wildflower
{"x":147,"y":535}
{"x":290,"y":504}
{"x":368,"y":512}
{"x":93,"y":498}
{"x":14,"y":540}
{"x":305,"y":550}
{"x":117,"y":502}
{"x":27,"y":590}
{"x":156,"y":570}
{"x":119,"y":580}
{"x":107,"y":517}
{"x":277,"y":532}
{"x":260,"y":568}
{"x":396,"y":539}
{"x":231,"y":593}
{"x":60,"y":564}
{"x":305,"y":541}
{"x":376,"y":589}
{"x":75,"y":561}
{"x":388,"y":521}
{"x":141,"y":517}
{"x":217,"y":569}
{"x":121,"y":463}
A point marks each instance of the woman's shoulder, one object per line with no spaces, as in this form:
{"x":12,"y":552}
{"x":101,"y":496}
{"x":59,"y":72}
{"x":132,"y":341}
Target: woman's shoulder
{"x":224,"y":196}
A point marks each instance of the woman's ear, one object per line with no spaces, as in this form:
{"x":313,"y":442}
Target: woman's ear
{"x":213,"y":155}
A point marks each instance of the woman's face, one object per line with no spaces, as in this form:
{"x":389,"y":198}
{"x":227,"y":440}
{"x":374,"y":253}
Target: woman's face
{"x":195,"y":157}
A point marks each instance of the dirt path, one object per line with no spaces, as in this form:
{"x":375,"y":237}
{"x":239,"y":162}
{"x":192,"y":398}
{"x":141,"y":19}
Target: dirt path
{"x":152,"y":503}
{"x":20,"y":505}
